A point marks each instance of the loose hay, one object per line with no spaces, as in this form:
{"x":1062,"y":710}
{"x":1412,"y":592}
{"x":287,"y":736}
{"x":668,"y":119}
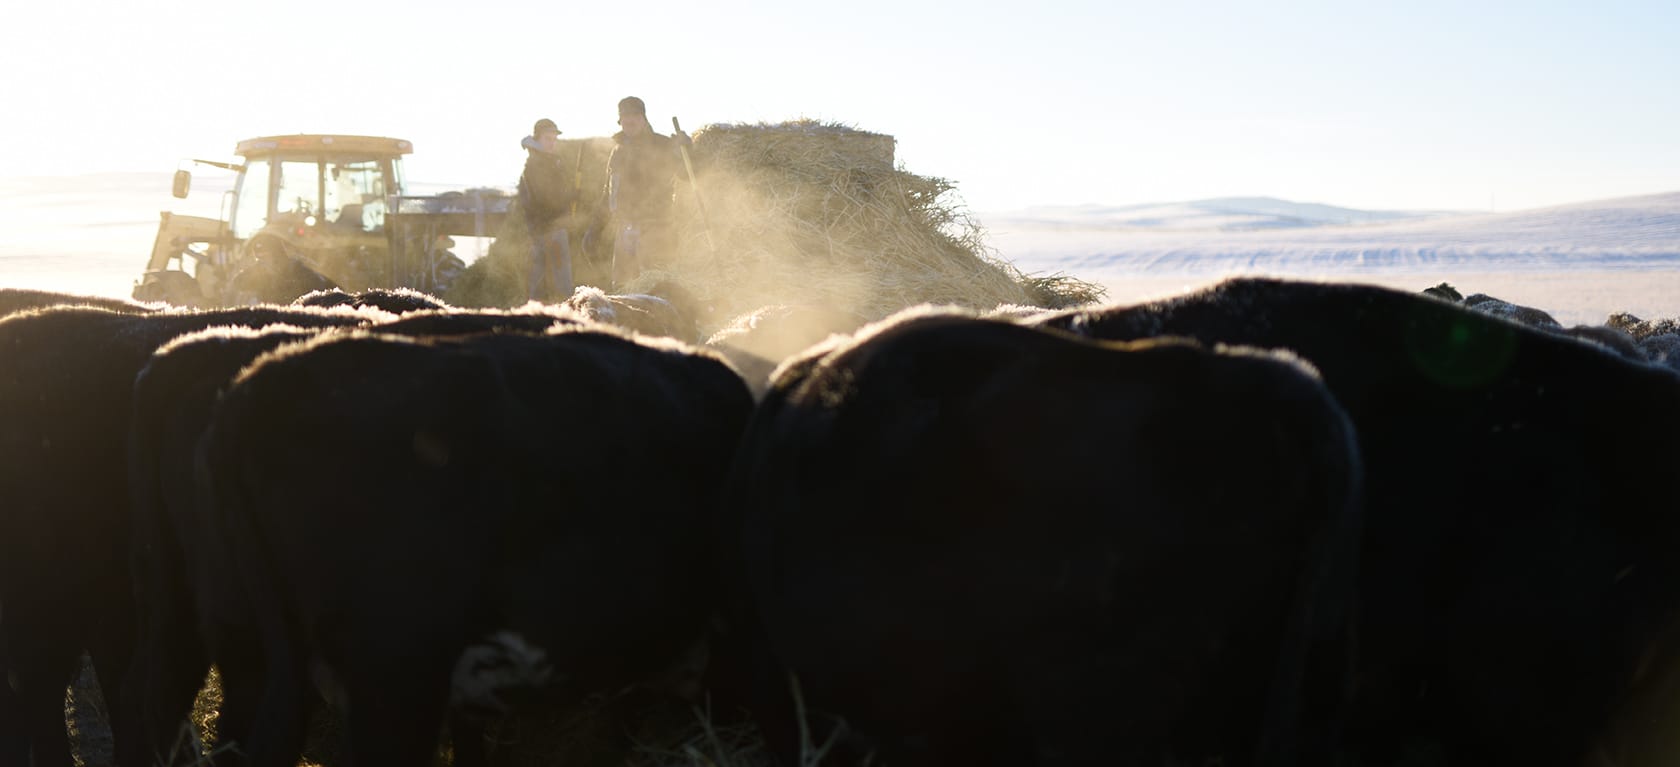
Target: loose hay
{"x":802,"y":212}
{"x":705,"y":743}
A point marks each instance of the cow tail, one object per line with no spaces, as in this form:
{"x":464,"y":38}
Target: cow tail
{"x":1311,"y":685}
{"x":278,"y":725}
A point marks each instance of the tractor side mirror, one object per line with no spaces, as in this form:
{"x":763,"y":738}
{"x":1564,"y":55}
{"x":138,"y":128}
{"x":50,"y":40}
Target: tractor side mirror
{"x":183,"y":182}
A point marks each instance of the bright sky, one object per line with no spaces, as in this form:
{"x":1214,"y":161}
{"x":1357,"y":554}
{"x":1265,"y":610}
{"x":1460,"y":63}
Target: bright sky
{"x":1424,"y":104}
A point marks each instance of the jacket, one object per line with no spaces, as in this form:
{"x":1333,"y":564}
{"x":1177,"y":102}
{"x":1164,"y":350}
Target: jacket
{"x":545,"y":188}
{"x":639,"y":176}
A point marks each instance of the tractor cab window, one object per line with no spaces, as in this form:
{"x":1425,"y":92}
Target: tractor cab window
{"x":397,"y":182}
{"x":251,"y":213}
{"x":338,"y":191}
{"x":355,"y":195}
{"x":299,"y":192}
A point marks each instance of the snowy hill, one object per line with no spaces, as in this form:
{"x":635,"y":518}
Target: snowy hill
{"x":1625,"y":230}
{"x":1220,"y":214}
{"x":1579,"y":261}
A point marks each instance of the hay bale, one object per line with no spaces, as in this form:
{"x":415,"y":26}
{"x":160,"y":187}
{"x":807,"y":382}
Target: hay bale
{"x":800,"y":144}
{"x":817,"y":214}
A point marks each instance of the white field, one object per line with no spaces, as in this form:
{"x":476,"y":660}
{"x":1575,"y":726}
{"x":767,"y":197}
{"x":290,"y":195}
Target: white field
{"x":1580,"y":262}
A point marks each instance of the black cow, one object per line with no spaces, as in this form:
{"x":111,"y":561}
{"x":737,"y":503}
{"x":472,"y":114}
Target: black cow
{"x":1611,"y":337}
{"x":981,"y":543}
{"x":1525,"y":315}
{"x":757,"y":341}
{"x":1643,"y":329}
{"x":274,"y":277}
{"x":1658,"y":340}
{"x":393,"y":300}
{"x":1662,"y":350}
{"x":66,"y":382}
{"x":641,"y":313}
{"x":693,"y":308}
{"x":173,"y":397}
{"x":20,"y":299}
{"x":1518,"y":575}
{"x":465,"y":517}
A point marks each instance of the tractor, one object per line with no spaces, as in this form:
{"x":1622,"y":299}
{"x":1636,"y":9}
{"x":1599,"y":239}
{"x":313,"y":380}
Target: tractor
{"x":308,"y":212}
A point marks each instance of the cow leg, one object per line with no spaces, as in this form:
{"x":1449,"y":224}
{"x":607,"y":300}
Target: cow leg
{"x":748,"y":676}
{"x":279,"y":722}
{"x":43,"y":678}
{"x":111,"y":654}
{"x":167,"y":670}
{"x":163,"y":679}
{"x":242,"y":687}
{"x":43,"y":652}
{"x":14,"y":738}
{"x":467,"y":741}
{"x":394,"y":717}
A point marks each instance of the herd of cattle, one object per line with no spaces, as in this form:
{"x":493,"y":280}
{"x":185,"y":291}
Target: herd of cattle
{"x":1269,"y":523}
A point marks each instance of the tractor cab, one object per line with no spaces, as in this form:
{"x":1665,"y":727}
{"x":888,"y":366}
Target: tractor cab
{"x":306,"y":212}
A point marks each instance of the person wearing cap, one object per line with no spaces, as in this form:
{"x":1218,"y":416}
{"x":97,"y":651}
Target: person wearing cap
{"x":640,"y":174}
{"x":546,"y":194}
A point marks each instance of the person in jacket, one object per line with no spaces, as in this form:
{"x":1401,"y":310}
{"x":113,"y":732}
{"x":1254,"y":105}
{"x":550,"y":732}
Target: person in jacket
{"x":640,"y":174}
{"x":546,"y":196}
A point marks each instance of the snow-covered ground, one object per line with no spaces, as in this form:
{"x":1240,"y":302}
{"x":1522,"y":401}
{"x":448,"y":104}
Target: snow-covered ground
{"x":1225,"y":213}
{"x":91,"y":234}
{"x":1580,"y":262}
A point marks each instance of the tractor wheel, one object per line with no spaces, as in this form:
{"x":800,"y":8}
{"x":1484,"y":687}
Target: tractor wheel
{"x":270,"y":273}
{"x":172,"y":286}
